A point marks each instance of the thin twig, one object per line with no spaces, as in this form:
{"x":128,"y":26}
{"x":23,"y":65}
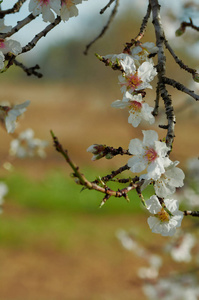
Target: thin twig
{"x":29,"y":71}
{"x":141,"y":32}
{"x":177,"y":60}
{"x":191,"y":213}
{"x":180,"y":87}
{"x":12,"y":10}
{"x":105,"y":7}
{"x":43,"y":33}
{"x":81,"y":179}
{"x":19,"y":25}
{"x":113,"y":13}
{"x":115,"y":173}
{"x":188,"y":24}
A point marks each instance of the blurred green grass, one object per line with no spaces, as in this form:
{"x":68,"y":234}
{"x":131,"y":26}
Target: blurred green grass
{"x":58,"y":192}
{"x":55,"y":212}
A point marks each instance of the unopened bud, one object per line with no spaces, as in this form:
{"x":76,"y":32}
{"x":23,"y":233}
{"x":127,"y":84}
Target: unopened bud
{"x":196,"y":77}
{"x":109,"y":156}
{"x":97,"y":150}
{"x":180,"y":31}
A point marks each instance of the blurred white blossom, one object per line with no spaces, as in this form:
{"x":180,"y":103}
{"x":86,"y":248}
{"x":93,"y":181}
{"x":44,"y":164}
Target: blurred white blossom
{"x":27,"y":146}
{"x":3,"y":192}
{"x":181,"y":250}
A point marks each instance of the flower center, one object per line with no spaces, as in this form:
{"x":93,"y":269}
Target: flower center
{"x":68,"y":3}
{"x":2,"y":44}
{"x":136,"y":106}
{"x":163,"y":215}
{"x":133,"y":81}
{"x":151,"y":154}
{"x":44,"y":2}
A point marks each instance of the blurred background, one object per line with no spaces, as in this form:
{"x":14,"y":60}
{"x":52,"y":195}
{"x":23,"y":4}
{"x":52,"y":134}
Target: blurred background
{"x":55,"y":242}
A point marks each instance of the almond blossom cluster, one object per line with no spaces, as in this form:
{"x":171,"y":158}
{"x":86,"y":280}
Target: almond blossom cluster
{"x":26,"y":145}
{"x":48,"y":8}
{"x":149,"y":156}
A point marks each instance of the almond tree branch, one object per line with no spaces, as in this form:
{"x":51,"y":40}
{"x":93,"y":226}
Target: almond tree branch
{"x":108,"y":5}
{"x":191,"y":213}
{"x":19,"y":25}
{"x":81,"y":179}
{"x":43,"y":33}
{"x":160,"y":37}
{"x":29,"y":71}
{"x":180,"y":87}
{"x":115,"y":173}
{"x":188,"y":24}
{"x":177,"y":60}
{"x":13,"y":10}
{"x":113,"y":13}
{"x":141,"y":32}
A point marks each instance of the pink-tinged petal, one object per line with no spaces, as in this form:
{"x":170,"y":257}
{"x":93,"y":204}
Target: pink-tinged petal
{"x":128,"y":65}
{"x":13,"y":46}
{"x":150,"y":136}
{"x":154,"y":170}
{"x":161,"y":148}
{"x":32,"y":5}
{"x":135,"y":147}
{"x":147,"y":113}
{"x":56,"y":6}
{"x":172,"y":204}
{"x":134,"y":119}
{"x":162,"y":190}
{"x":176,"y":177}
{"x":65,"y":15}
{"x":136,"y":164}
{"x":153,"y":223}
{"x":47,"y":14}
{"x":74,"y":11}
{"x":146,"y":71}
{"x":120,"y":104}
{"x":153,"y":205}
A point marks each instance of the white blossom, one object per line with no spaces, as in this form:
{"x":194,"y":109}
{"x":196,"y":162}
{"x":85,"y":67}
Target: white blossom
{"x":116,"y":57}
{"x":168,"y":182}
{"x":138,"y":109}
{"x":134,"y":79}
{"x":9,"y":115}
{"x":69,"y":9}
{"x":8,"y":46}
{"x":150,"y":154}
{"x":27,"y":146}
{"x":162,"y":222}
{"x":45,"y":7}
{"x":140,"y":53}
